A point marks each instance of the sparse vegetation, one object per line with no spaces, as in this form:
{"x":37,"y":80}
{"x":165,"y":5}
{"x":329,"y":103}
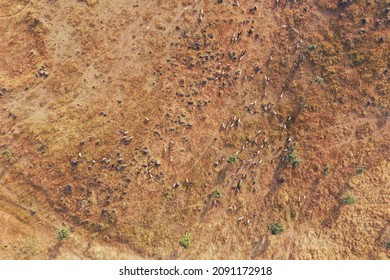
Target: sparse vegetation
{"x":293,"y":158}
{"x":348,"y":200}
{"x":326,"y":170}
{"x":185,"y":240}
{"x":62,"y":233}
{"x":387,"y":244}
{"x":360,"y":170}
{"x":6,"y":153}
{"x":303,"y":105}
{"x":217,"y":194}
{"x":296,"y":162}
{"x":276,"y":228}
{"x":212,"y":127}
{"x":232,"y":159}
{"x":319,"y":80}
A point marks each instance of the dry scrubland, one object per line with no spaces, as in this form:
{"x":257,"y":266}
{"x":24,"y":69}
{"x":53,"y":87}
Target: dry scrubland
{"x":134,"y":123}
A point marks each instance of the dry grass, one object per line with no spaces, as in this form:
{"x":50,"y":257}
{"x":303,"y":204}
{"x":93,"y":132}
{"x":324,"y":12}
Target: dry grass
{"x":145,"y":111}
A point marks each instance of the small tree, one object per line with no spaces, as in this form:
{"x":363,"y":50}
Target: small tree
{"x":217,"y":193}
{"x":186,"y":240}
{"x":276,"y":228}
{"x":349,"y":199}
{"x":62,"y":233}
{"x":360,"y":170}
{"x":232,"y":159}
{"x":293,"y":158}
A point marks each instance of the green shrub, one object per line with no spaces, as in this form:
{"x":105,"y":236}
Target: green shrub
{"x":319,"y":80}
{"x":360,"y":170}
{"x":62,"y":233}
{"x":387,"y":244}
{"x":293,"y":158}
{"x":232,"y":159}
{"x":276,"y":228}
{"x":326,"y":170}
{"x":185,"y":240}
{"x":296,"y":162}
{"x":311,"y":47}
{"x":217,"y":193}
{"x":349,"y":199}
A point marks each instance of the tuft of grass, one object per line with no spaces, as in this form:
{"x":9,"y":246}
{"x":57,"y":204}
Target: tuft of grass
{"x":185,"y":240}
{"x":276,"y":228}
{"x":62,"y":233}
{"x":326,"y":170}
{"x":360,"y":170}
{"x":217,"y":193}
{"x":319,"y":80}
{"x":348,"y":200}
{"x":232,"y":159}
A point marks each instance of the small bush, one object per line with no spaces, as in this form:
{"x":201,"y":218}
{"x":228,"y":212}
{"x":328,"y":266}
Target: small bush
{"x":311,"y":47}
{"x":319,"y":80}
{"x":293,"y":158}
{"x":62,"y":233}
{"x":232,"y":159}
{"x":6,"y":153}
{"x":276,"y":228}
{"x":387,"y":244}
{"x":348,"y":200}
{"x":185,"y":240}
{"x":217,"y":194}
{"x":296,"y":162}
{"x":360,"y":170}
{"x":326,"y":170}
